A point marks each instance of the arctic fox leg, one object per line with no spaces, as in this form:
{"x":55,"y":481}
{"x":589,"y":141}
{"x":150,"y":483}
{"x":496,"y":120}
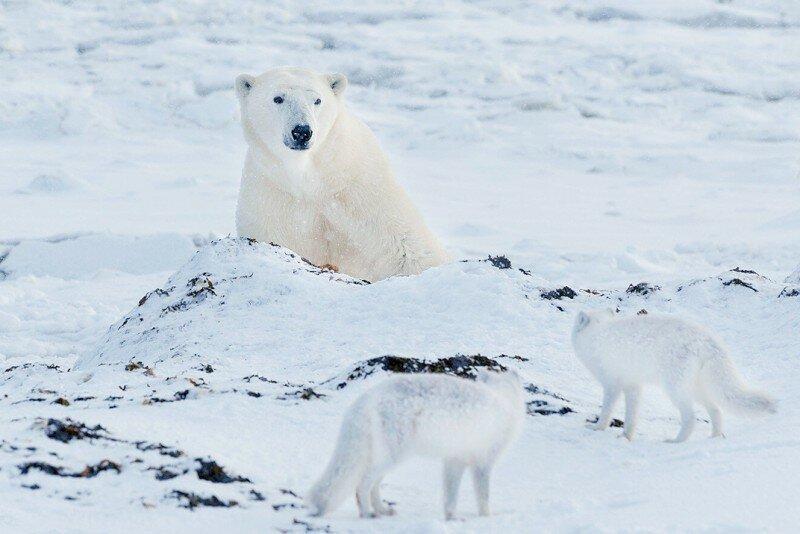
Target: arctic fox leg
{"x":610,"y":397}
{"x":362,"y":500}
{"x":368,"y":492}
{"x":683,"y":401}
{"x":480,"y":478}
{"x":377,"y":502}
{"x":453,"y":471}
{"x":632,"y":395}
{"x":715,"y":414}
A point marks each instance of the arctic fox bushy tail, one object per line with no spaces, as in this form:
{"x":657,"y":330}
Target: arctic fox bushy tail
{"x":728,"y":389}
{"x":346,"y":467}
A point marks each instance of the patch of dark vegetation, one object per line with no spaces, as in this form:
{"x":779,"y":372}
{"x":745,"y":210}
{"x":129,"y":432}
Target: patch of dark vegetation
{"x":256,"y":496}
{"x":642,"y":312}
{"x":541,"y":407}
{"x":30,"y":399}
{"x":642,"y":288}
{"x":739,"y":282}
{"x":135,"y":366}
{"x":66,"y":431}
{"x":594,"y":292}
{"x":83,"y":399}
{"x":459,"y":365}
{"x":193,"y":500}
{"x":260,"y":379}
{"x":536,"y":390}
{"x":302,"y":394}
{"x":513,"y":357}
{"x":176,"y":397}
{"x":501,"y":262}
{"x":158,"y":292}
{"x":560,"y":293}
{"x":90,"y":471}
{"x":162,"y":449}
{"x":615,"y":423}
{"x":201,"y":286}
{"x":786,"y":292}
{"x":744,"y":271}
{"x":308,"y":526}
{"x":165,"y":473}
{"x":207,"y":368}
{"x":31,"y":486}
{"x":213,"y":472}
{"x":49,"y":367}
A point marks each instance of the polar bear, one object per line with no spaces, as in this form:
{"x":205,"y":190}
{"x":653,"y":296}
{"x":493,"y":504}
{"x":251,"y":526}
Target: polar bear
{"x":316,"y":181}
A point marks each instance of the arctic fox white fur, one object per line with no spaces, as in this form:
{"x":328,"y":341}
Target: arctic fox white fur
{"x":466,"y":423}
{"x":690,"y":363}
{"x":316,"y":180}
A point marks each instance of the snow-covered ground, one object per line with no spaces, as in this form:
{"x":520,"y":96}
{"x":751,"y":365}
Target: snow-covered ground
{"x":595,"y":144}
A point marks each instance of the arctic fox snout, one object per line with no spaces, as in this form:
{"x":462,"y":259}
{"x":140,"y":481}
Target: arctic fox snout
{"x":687,"y":361}
{"x":465,"y":423}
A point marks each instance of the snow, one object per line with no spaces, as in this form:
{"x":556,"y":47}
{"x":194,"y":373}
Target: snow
{"x":597,"y":145}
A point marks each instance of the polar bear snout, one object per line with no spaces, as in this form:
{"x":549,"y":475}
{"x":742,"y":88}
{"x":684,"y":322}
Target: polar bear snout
{"x":301,"y":135}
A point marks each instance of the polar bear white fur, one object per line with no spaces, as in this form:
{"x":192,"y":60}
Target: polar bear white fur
{"x":316,"y":181}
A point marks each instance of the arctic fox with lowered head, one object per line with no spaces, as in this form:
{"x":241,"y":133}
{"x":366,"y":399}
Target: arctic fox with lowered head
{"x":466,"y":423}
{"x":316,"y":180}
{"x":690,"y":363}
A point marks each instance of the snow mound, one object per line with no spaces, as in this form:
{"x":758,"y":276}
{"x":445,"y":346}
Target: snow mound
{"x":263,"y":305}
{"x":82,"y":256}
{"x":51,"y":184}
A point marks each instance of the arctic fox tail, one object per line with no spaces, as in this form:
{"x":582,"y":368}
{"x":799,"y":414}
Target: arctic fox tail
{"x":728,"y":389}
{"x":346,"y":467}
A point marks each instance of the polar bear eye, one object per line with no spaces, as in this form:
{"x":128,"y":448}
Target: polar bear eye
{"x":278,"y":100}
{"x":317,"y":102}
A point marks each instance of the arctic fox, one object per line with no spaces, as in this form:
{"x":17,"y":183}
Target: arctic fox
{"x":689,"y":362}
{"x":466,"y":423}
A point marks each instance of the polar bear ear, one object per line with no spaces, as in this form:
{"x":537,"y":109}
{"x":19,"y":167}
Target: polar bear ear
{"x":338,"y":83}
{"x":244,"y":83}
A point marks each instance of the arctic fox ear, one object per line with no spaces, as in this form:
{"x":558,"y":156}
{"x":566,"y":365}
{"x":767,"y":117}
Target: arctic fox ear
{"x":338,"y":83}
{"x":244,"y":83}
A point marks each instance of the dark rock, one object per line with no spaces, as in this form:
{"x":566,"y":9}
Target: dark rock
{"x":90,"y":471}
{"x":501,"y":262}
{"x":66,"y":431}
{"x":256,"y":496}
{"x":739,"y":282}
{"x":642,"y":288}
{"x":539,"y":407}
{"x":459,"y":365}
{"x":558,"y":294}
{"x":162,"y":449}
{"x":213,"y":472}
{"x":159,"y":292}
{"x":615,"y":423}
{"x":744,"y":271}
{"x":193,"y":500}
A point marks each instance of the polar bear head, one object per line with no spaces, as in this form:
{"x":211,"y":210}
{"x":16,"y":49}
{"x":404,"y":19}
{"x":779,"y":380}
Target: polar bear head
{"x":289,"y":111}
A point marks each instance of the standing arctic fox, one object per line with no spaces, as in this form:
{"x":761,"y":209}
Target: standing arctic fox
{"x":316,"y":181}
{"x":466,"y":423}
{"x":685,"y":359}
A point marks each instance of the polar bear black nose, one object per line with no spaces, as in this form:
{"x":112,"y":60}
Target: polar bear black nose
{"x":301,"y":133}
